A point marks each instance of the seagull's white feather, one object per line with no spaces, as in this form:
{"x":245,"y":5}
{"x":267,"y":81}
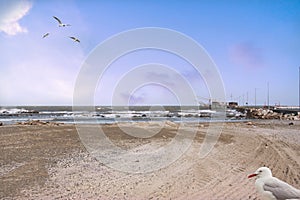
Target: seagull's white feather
{"x":280,"y":189}
{"x":272,"y":188}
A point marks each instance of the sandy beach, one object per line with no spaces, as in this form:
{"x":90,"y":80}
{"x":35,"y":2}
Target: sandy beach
{"x":50,"y":162}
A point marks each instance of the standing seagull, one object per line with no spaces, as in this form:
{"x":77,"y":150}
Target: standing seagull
{"x":60,"y":24}
{"x":272,"y":188}
{"x":46,"y":35}
{"x":75,"y":39}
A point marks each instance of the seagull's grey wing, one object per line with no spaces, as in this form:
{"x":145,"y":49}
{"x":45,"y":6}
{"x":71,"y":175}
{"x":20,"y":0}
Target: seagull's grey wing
{"x":281,"y":190}
{"x":57,"y":19}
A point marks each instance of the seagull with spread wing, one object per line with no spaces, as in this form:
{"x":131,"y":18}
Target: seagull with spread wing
{"x":60,"y":24}
{"x":45,"y":35}
{"x":75,"y":39}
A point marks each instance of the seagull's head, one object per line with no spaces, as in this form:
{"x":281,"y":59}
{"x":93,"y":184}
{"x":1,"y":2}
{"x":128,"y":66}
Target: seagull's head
{"x":261,"y":172}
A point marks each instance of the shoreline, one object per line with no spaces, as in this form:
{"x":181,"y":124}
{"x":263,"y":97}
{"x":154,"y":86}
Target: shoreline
{"x":186,"y":121}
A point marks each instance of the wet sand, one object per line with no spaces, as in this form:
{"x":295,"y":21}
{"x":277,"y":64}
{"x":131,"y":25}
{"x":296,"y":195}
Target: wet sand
{"x":50,"y":162}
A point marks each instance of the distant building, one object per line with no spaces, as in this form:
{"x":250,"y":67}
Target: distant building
{"x":215,"y":105}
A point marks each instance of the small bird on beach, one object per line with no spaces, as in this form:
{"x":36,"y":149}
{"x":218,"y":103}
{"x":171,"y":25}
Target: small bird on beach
{"x":75,"y":39}
{"x":272,"y":188}
{"x":45,"y":35}
{"x":60,"y":24}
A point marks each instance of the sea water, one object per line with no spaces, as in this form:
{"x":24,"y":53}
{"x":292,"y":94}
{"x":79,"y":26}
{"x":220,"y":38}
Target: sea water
{"x":109,"y":115}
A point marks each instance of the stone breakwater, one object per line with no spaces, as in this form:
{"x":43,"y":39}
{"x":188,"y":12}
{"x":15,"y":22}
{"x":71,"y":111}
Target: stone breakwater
{"x":259,"y":113}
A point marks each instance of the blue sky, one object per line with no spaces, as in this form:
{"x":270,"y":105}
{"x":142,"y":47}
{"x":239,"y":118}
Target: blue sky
{"x":252,"y":43}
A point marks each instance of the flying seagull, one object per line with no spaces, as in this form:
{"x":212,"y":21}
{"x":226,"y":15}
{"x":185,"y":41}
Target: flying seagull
{"x":272,"y":188}
{"x":75,"y":39}
{"x":46,"y":35}
{"x":60,"y":24}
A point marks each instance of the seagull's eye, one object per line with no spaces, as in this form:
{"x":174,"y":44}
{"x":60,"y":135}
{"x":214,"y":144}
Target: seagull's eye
{"x":260,"y":171}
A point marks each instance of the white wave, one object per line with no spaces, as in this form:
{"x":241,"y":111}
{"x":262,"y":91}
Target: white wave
{"x":14,"y":111}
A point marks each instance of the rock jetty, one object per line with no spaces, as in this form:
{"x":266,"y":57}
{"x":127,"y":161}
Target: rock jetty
{"x":260,"y":113}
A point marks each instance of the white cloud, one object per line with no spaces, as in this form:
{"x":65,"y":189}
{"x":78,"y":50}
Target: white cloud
{"x":11,"y":13}
{"x":34,"y":83}
{"x":38,"y":72}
